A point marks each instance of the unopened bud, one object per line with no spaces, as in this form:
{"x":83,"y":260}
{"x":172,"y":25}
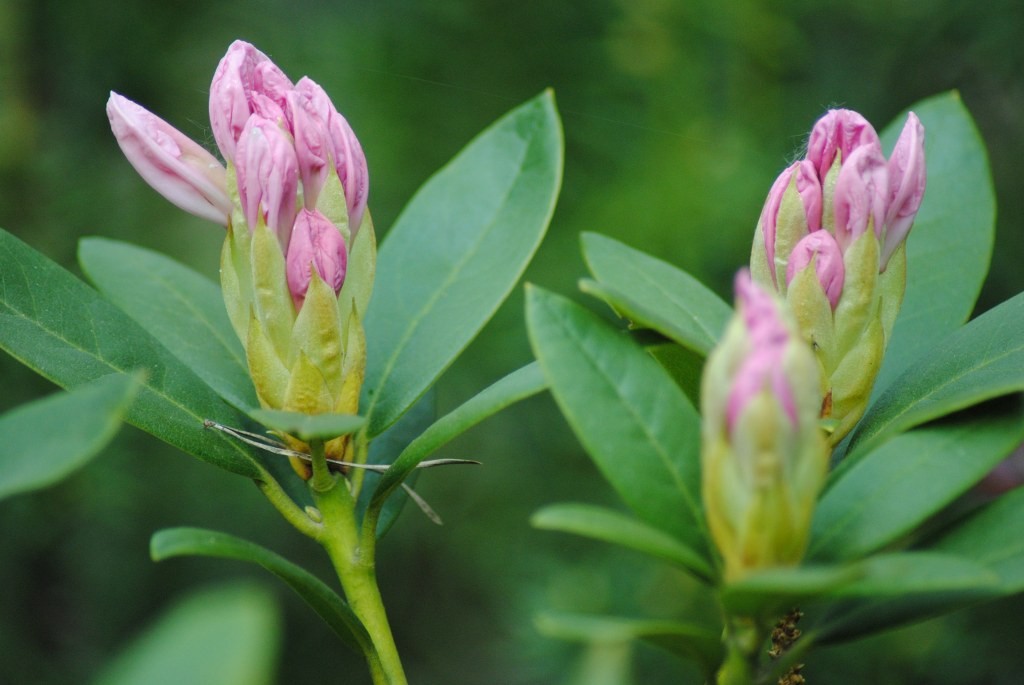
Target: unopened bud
{"x":764,"y":457}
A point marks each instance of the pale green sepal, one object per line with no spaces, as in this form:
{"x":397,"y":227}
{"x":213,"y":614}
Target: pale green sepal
{"x":307,"y":393}
{"x":891,"y":285}
{"x":813,"y":313}
{"x":331,"y":203}
{"x":269,"y":374}
{"x":237,"y":217}
{"x":853,"y":379}
{"x":317,"y":331}
{"x":362,"y":267}
{"x":828,"y":194}
{"x":858,"y":303}
{"x":790,"y":227}
{"x":353,"y":368}
{"x":235,"y":279}
{"x":716,"y":382}
{"x":759,"y":271}
{"x":272,"y":300}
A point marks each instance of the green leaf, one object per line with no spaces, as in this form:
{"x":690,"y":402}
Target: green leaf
{"x":685,"y":366}
{"x":770,"y":591}
{"x":385,"y":449}
{"x":890,"y":491}
{"x":982,"y":360}
{"x":308,"y":427}
{"x":456,"y":252}
{"x":687,"y":640}
{"x":176,"y":542}
{"x":61,"y":328}
{"x":229,"y":635}
{"x":902,"y":588}
{"x":654,"y":294}
{"x":177,"y":306}
{"x":632,"y":418}
{"x":516,"y":386}
{"x":949,"y":248}
{"x":610,"y":526}
{"x":47,"y":440}
{"x":992,"y":537}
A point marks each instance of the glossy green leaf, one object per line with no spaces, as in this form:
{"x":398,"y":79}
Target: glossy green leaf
{"x":47,"y":440}
{"x":610,"y":526}
{"x":992,"y":537}
{"x":698,"y":643}
{"x":58,"y":326}
{"x":456,"y":252}
{"x":897,"y":589}
{"x":176,"y":542}
{"x":308,"y":427}
{"x":177,"y":306}
{"x":228,"y":635}
{"x":889,"y":492}
{"x":632,"y":418}
{"x":514,"y":387}
{"x":982,"y":360}
{"x":950,"y":245}
{"x":654,"y":294}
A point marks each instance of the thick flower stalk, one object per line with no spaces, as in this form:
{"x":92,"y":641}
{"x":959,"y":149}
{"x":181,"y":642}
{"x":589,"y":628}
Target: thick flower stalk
{"x":764,"y":455}
{"x":298,"y":259}
{"x":831,"y":240}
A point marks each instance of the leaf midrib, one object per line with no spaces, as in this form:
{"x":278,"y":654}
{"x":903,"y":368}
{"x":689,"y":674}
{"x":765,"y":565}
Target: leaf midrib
{"x":37,"y":323}
{"x":453,"y":274}
{"x":659,"y":448}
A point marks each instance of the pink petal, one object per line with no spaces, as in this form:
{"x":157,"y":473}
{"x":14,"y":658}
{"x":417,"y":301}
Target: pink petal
{"x":173,"y":164}
{"x":316,"y":244}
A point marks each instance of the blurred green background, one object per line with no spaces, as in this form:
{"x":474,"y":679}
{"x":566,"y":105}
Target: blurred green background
{"x":678,"y":116}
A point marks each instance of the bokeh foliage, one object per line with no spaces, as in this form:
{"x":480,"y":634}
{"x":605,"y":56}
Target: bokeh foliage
{"x":677,"y":117}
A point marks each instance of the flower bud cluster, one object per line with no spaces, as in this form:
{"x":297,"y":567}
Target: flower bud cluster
{"x":293,"y":199}
{"x":764,"y":455}
{"x":831,"y":240}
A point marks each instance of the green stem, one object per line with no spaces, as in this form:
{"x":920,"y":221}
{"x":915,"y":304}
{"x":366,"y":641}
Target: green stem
{"x":291,"y":512}
{"x":742,"y":639}
{"x":354,"y":564}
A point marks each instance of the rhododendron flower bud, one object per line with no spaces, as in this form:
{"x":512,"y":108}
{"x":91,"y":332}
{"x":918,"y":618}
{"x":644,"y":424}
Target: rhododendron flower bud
{"x":173,"y":164}
{"x":268,"y":176}
{"x":823,"y":250}
{"x":793,"y":210}
{"x":838,"y":133}
{"x":312,"y":145}
{"x":231,"y":95}
{"x":847,"y":304}
{"x":906,"y":185}
{"x":296,"y":275}
{"x":861,"y":193}
{"x":764,"y":456}
{"x":316,"y":245}
{"x":345,"y":151}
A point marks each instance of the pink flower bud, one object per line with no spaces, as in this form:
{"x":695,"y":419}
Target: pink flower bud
{"x":245,"y":81}
{"x":861,"y":195}
{"x":312,"y":145}
{"x":762,"y":368}
{"x":809,"y":189}
{"x":840,"y":131}
{"x":906,"y":186}
{"x":316,"y":244}
{"x":268,"y":175}
{"x":828,"y":263}
{"x":173,"y":164}
{"x":349,"y":161}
